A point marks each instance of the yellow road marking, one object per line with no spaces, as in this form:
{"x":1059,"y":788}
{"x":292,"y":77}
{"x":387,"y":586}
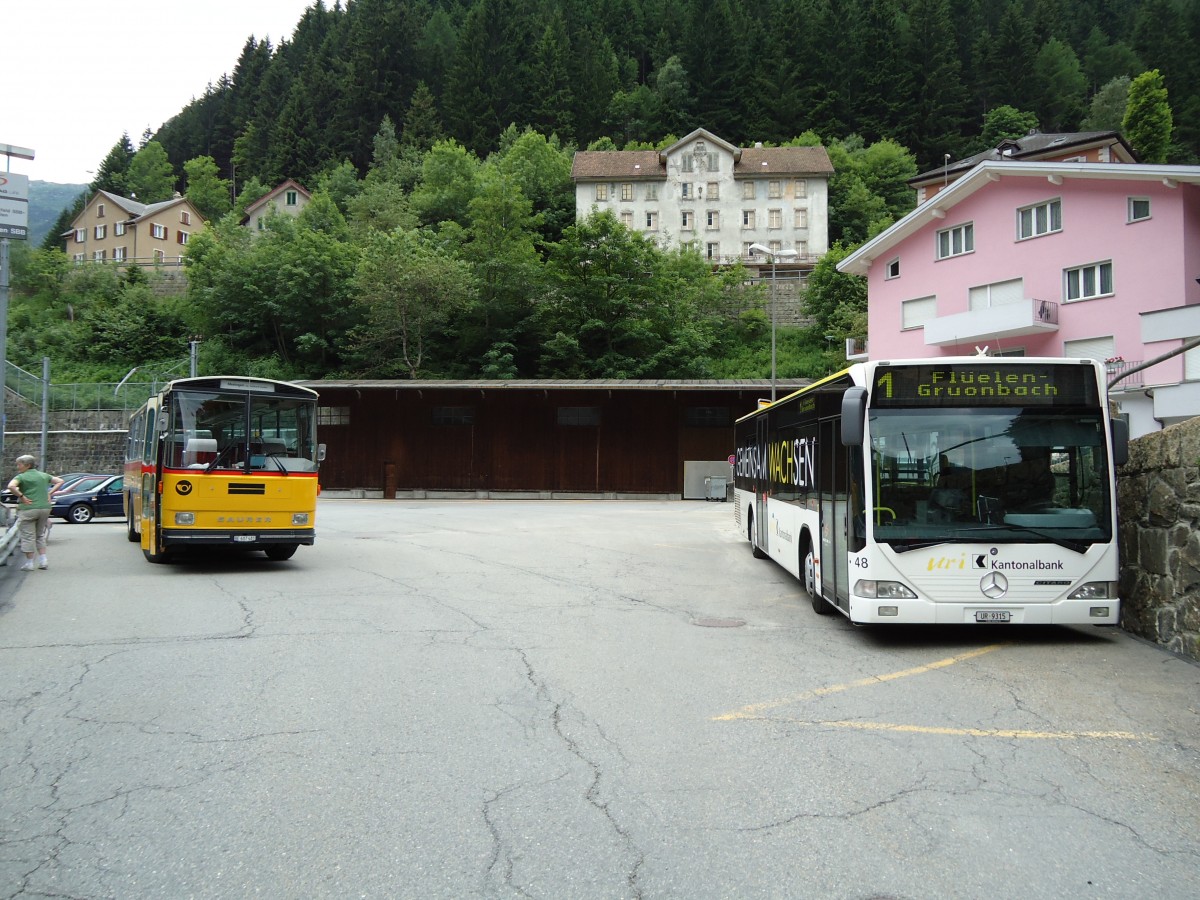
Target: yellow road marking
{"x":982,"y":732}
{"x":754,"y":710}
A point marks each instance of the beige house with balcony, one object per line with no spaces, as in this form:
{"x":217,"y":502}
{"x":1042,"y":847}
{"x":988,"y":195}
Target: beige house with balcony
{"x":121,"y":230}
{"x":705,"y":194}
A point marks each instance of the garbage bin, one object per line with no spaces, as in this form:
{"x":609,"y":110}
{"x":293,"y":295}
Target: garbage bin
{"x":716,"y":487}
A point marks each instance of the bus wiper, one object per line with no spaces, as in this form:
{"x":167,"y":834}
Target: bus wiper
{"x":1076,"y":546}
{"x":917,"y":545}
{"x":278,"y":462}
{"x":220,"y":455}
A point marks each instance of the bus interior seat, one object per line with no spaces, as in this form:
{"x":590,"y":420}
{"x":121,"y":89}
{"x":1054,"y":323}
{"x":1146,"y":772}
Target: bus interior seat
{"x":199,"y":451}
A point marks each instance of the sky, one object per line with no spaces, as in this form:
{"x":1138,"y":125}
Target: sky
{"x":76,"y":74}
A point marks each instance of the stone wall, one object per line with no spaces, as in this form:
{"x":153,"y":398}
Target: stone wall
{"x":76,"y":441}
{"x":1158,"y":514}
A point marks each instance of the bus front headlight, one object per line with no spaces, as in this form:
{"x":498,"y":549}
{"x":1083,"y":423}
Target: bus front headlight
{"x":883,"y":590}
{"x":1095,"y":590}
{"x":299,"y":518}
{"x":182,"y":518}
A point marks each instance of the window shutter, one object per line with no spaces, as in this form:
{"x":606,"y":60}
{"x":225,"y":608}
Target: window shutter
{"x":1100,"y":349}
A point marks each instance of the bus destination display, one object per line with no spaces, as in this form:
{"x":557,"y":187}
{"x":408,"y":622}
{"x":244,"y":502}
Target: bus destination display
{"x":985,"y":385}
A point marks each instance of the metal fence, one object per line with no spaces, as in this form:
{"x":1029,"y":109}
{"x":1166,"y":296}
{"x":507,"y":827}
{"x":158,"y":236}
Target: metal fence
{"x":125,"y":395}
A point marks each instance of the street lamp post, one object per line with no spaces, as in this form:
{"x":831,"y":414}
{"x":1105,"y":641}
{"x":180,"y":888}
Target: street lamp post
{"x":774,"y":254}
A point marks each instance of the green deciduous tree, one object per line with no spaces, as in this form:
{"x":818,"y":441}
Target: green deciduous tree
{"x":206,"y":190}
{"x":1107,"y":110}
{"x":151,"y":178}
{"x":408,"y":290}
{"x":1148,"y":120}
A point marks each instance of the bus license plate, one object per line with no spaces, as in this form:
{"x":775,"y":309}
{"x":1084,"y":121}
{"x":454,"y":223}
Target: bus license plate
{"x":993,"y":615}
{"x":251,"y":538}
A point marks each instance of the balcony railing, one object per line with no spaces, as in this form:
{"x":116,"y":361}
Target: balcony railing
{"x":1115,"y":369}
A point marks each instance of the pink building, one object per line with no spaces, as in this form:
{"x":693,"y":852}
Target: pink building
{"x":1098,"y":260}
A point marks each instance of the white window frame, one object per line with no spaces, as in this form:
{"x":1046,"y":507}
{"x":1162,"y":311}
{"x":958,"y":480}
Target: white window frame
{"x":748,"y":218}
{"x":651,"y":220}
{"x":652,"y":192}
{"x":893,"y":269}
{"x":1131,"y":215}
{"x":714,"y":190}
{"x":100,"y":232}
{"x":158,"y":232}
{"x":81,"y":235}
{"x":182,"y":237}
{"x":1038,"y":219}
{"x":626,"y":190}
{"x":801,"y":217}
{"x":774,"y":189}
{"x":712,"y":219}
{"x":119,"y":254}
{"x":712,"y":250}
{"x":1075,"y":279}
{"x":118,"y":229}
{"x":749,"y":190}
{"x":965,"y":234}
{"x":98,"y":255}
{"x":291,"y":198}
{"x":685,"y":191}
{"x":601,"y":192}
{"x":185,"y":217}
{"x":801,"y":187}
{"x":627,"y":218}
{"x":775,"y":218}
{"x":687,"y":220}
{"x":160,"y":256}
{"x":99,"y":210}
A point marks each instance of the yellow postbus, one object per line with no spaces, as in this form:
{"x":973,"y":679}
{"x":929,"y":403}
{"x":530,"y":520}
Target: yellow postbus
{"x":223,"y":461}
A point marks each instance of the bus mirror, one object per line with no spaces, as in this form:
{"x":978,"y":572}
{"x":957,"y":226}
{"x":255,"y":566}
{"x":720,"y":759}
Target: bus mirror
{"x":164,"y":421}
{"x":1120,"y":441}
{"x":320,"y":452}
{"x":854,"y":416}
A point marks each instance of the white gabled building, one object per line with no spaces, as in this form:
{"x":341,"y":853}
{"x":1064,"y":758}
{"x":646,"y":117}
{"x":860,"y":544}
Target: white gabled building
{"x":704,"y":193}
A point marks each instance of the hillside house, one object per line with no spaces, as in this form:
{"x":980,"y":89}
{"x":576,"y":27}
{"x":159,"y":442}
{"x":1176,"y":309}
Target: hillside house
{"x":1098,"y":260}
{"x":705,"y":194}
{"x":288,"y":198}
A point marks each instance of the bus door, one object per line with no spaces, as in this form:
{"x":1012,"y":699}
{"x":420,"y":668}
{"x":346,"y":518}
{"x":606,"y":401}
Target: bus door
{"x":762,"y":484}
{"x":831,"y":477}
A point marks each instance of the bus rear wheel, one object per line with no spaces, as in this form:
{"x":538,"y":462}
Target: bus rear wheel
{"x":280,"y":552}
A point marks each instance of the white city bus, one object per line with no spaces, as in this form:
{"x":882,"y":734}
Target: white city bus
{"x":952,"y":490}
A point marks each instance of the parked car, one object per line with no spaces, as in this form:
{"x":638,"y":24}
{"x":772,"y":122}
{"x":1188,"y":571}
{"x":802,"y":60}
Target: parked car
{"x":85,"y":500}
{"x":71,"y":480}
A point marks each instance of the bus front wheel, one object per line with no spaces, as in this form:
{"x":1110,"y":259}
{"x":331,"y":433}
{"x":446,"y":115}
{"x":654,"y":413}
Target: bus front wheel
{"x":280,"y":552}
{"x":750,"y":533}
{"x":819,"y":605}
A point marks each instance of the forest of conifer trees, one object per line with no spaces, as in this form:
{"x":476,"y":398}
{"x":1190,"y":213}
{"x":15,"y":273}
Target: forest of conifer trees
{"x":920,"y":72}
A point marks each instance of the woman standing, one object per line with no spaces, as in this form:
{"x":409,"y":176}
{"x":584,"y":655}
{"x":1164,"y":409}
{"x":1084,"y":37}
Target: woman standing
{"x":33,"y":490}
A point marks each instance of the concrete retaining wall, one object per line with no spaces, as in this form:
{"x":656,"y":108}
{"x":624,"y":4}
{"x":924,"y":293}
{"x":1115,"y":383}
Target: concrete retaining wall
{"x":1158,"y":514}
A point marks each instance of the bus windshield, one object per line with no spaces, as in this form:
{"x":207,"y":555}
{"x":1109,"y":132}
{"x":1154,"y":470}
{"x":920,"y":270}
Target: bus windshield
{"x":222,"y":431}
{"x":991,"y":474}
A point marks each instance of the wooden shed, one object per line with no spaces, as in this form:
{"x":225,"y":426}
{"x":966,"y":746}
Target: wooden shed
{"x":591,"y":438}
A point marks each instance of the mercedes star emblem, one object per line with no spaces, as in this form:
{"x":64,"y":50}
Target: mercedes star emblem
{"x":994,"y":585}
